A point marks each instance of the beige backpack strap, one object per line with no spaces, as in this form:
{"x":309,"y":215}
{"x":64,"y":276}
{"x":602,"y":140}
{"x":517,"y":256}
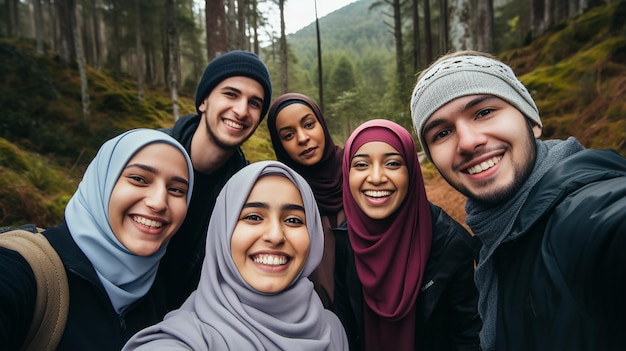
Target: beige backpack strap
{"x":52,"y":303}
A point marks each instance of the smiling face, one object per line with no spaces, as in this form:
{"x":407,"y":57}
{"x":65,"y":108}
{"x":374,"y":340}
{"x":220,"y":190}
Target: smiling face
{"x":483,"y":146}
{"x":301,"y":134}
{"x":232,"y":111}
{"x":149,"y":200}
{"x":379,"y":179}
{"x":270,"y":242}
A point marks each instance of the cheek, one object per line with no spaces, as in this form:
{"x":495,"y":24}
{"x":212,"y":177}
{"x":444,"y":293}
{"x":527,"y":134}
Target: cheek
{"x":355,"y":185}
{"x":179,"y":210}
{"x":290,"y":148}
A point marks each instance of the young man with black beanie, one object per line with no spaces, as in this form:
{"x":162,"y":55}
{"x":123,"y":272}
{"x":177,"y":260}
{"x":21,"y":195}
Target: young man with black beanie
{"x":551,"y":215}
{"x":232,"y":98}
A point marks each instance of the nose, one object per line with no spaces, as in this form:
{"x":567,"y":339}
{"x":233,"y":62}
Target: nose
{"x":376,"y":174}
{"x":302,"y":136}
{"x":274,"y":233}
{"x":469,"y":138}
{"x":156,"y":199}
{"x":240,"y":107}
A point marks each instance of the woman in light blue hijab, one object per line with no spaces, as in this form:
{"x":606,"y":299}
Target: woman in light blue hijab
{"x":229,"y":311}
{"x":133,"y":197}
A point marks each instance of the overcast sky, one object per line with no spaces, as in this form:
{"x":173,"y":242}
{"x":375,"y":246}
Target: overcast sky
{"x":300,"y":13}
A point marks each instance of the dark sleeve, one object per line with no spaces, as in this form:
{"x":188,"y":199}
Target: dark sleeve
{"x":461,"y":293}
{"x":18,"y":293}
{"x":464,"y":302}
{"x":588,"y":238}
{"x":342,"y":305}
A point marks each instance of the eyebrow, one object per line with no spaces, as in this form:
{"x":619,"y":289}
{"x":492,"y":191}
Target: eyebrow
{"x":153,"y":170}
{"x":387,"y":154}
{"x":238,"y":91}
{"x":436,"y":122}
{"x":307,"y":115}
{"x":265,"y":206}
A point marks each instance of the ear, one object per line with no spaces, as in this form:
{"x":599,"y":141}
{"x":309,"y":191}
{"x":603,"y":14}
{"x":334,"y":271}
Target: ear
{"x":537,"y":131}
{"x":202,"y":107}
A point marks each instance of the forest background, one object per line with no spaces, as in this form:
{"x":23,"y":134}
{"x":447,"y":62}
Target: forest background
{"x":76,"y":72}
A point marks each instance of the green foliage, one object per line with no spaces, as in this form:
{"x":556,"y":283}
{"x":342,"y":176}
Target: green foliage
{"x":32,"y":190}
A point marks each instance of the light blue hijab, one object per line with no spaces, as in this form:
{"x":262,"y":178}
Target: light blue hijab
{"x":125,"y":276}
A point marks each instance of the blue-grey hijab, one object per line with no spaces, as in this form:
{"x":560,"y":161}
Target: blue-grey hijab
{"x":125,"y":276}
{"x":225,"y":313}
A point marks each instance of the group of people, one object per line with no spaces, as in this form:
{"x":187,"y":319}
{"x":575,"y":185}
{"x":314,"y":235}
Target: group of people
{"x":173,"y":240}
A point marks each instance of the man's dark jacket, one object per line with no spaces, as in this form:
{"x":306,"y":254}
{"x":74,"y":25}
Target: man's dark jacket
{"x":181,"y":265}
{"x":447,"y":315}
{"x":562,"y":284}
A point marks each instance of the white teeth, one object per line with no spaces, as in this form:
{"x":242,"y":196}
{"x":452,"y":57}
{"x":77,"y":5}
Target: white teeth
{"x":233,"y":124}
{"x":379,"y":193}
{"x":270,"y":260}
{"x":485,"y":165}
{"x":147,"y":222}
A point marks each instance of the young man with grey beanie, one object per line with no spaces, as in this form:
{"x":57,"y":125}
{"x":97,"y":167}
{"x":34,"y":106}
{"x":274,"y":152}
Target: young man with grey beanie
{"x":551,"y":215}
{"x":232,"y":98}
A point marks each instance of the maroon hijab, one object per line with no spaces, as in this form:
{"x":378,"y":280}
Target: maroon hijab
{"x":325,"y":176}
{"x":390,"y":253}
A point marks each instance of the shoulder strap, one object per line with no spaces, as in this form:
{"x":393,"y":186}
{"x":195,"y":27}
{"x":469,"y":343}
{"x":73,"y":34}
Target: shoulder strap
{"x":52,"y":303}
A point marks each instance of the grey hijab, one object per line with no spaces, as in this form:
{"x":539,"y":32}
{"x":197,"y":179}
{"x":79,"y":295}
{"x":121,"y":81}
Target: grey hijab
{"x":225,"y":312}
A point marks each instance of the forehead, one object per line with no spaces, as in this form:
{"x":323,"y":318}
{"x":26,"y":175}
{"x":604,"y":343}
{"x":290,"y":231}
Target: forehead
{"x":274,"y":188}
{"x":242,"y":83}
{"x":293,"y":113}
{"x":375,"y":148}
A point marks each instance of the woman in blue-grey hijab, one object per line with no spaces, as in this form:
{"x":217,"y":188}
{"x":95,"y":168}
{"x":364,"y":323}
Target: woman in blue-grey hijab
{"x":133,"y":197}
{"x":264,"y":239}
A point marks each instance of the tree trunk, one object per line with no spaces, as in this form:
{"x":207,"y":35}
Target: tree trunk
{"x":255,"y":27}
{"x":537,"y":7}
{"x":428,"y":39}
{"x":242,"y":9}
{"x":484,"y":28}
{"x":38,"y":17}
{"x":231,"y":26}
{"x":320,"y":71}
{"x":443,"y":26}
{"x":215,"y":28}
{"x":138,"y":50}
{"x":66,"y":40}
{"x":97,"y":36}
{"x":460,"y":25}
{"x":172,"y":53}
{"x":284,"y":71}
{"x":397,"y":35}
{"x":75,"y":12}
{"x":416,"y":37}
{"x":117,"y":54}
{"x":548,"y":15}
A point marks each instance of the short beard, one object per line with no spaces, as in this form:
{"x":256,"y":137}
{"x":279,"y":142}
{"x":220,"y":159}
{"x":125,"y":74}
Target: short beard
{"x":504,"y":194}
{"x":220,"y":143}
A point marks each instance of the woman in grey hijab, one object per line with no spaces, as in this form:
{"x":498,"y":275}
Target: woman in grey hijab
{"x":264,"y":240}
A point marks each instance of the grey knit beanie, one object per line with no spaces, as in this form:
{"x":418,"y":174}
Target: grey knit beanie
{"x":464,"y":75}
{"x":231,"y":64}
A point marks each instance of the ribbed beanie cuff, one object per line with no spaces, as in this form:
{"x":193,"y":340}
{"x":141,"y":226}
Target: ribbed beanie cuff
{"x":232,"y":64}
{"x":467,"y":75}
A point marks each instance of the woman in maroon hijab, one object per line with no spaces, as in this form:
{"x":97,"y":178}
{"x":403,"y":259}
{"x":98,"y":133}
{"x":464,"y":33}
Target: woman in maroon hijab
{"x":404,"y":268}
{"x":301,"y":140}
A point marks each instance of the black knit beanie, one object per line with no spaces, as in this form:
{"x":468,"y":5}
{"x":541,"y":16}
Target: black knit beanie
{"x":231,"y":64}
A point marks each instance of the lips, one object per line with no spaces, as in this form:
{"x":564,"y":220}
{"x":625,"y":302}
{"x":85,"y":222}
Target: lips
{"x":485,"y":165}
{"x":270,"y":260}
{"x":377,"y":193}
{"x":233,"y":124}
{"x":146,"y":222}
{"x":308,"y":151}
